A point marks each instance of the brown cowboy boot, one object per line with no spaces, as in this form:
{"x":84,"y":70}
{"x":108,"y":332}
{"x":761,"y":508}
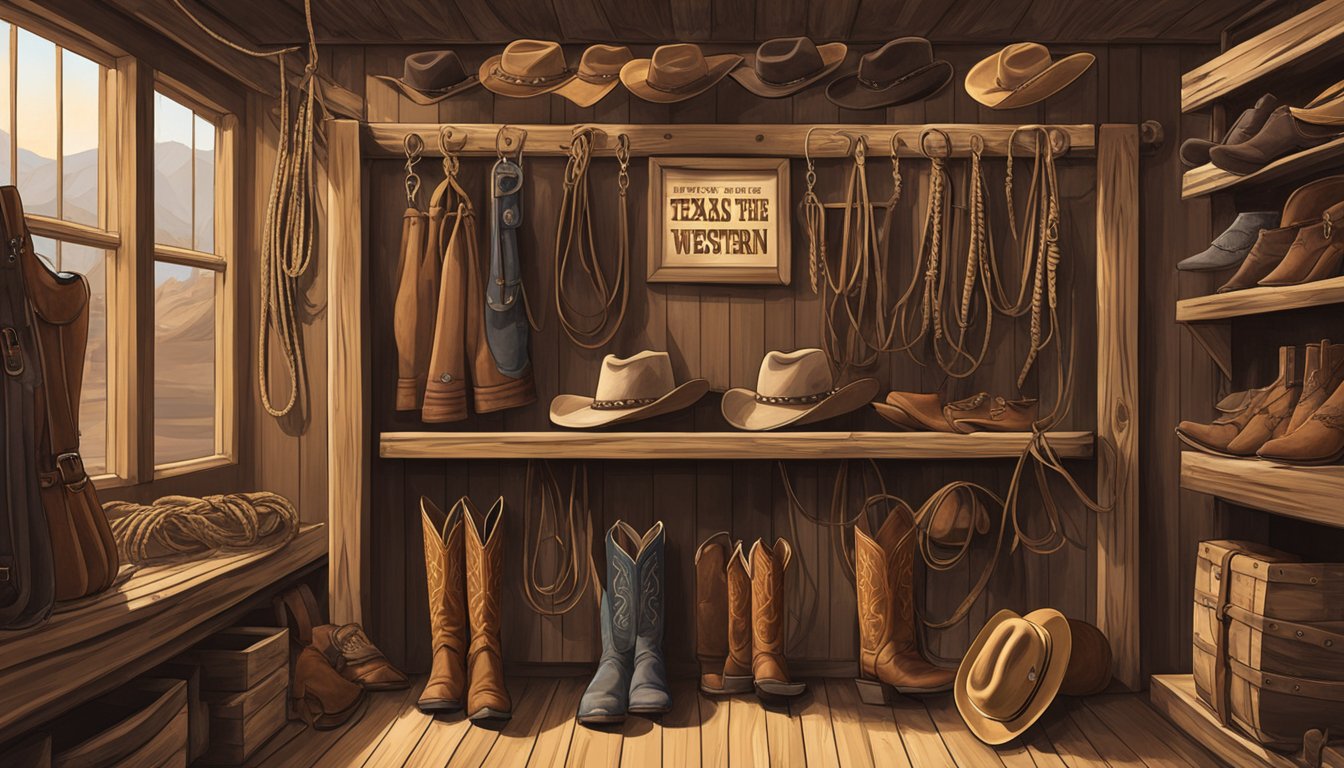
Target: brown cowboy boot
{"x":487,"y":698}
{"x":737,"y":666}
{"x":884,"y":577}
{"x":711,"y":610}
{"x":1271,"y":418}
{"x":445,"y":572}
{"x":1323,"y":375}
{"x":768,"y":666}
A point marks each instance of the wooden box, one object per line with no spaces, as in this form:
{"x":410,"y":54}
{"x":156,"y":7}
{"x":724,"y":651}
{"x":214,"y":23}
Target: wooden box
{"x":1269,"y":641}
{"x":239,"y":658}
{"x":143,"y":723}
{"x":241,"y":722}
{"x":198,"y":716}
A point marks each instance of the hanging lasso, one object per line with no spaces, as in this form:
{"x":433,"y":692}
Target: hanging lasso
{"x":183,"y":525}
{"x":569,"y":533}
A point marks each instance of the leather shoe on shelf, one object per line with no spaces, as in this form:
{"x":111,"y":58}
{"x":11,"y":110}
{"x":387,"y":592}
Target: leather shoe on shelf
{"x":1229,"y":248}
{"x":1315,"y":254}
{"x":914,"y":411}
{"x":1196,"y":151}
{"x":1306,"y":206}
{"x":1323,"y":373}
{"x":1319,"y":440}
{"x":1281,"y":135}
{"x":1268,"y":409}
{"x":991,"y":413}
{"x":1267,"y":253}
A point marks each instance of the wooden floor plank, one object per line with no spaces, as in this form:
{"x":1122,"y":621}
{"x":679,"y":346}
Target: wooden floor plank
{"x":516,"y":740}
{"x":784,"y":737}
{"x":642,"y":742}
{"x":919,"y":734}
{"x":1041,"y":749}
{"x":1152,"y":737}
{"x":681,"y":726}
{"x":557,"y":727}
{"x":714,"y":717}
{"x":813,"y":710}
{"x":966,"y":749}
{"x":748,"y":743}
{"x":439,"y":741}
{"x":1112,"y":748}
{"x":406,"y":731}
{"x":884,"y":738}
{"x":851,"y":743}
{"x":292,"y":730}
{"x":479,"y":740}
{"x":595,"y":747}
{"x":1070,"y":743}
{"x":358,"y":742}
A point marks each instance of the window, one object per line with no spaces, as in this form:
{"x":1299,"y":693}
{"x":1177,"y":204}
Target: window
{"x":189,"y":281}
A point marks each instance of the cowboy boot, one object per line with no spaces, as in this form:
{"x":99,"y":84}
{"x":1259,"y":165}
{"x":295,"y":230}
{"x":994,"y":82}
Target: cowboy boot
{"x":1271,"y":418}
{"x":649,"y":693}
{"x":736,"y":676}
{"x":487,"y":698}
{"x":1324,"y":372}
{"x":1217,"y":436}
{"x":768,"y":666}
{"x":884,"y":578}
{"x":608,"y":695}
{"x":445,"y":573}
{"x":711,"y":610}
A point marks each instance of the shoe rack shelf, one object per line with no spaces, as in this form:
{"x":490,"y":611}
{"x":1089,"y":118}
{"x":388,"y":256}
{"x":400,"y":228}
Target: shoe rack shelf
{"x":88,"y":647}
{"x":1306,"y":493}
{"x":1207,"y":179}
{"x":722,"y":445}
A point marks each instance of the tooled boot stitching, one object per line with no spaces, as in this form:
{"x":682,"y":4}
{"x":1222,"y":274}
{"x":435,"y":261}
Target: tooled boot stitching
{"x":740,"y":613}
{"x":874,"y":604}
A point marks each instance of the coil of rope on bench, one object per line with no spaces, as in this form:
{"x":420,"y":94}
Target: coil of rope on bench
{"x":185,"y":525}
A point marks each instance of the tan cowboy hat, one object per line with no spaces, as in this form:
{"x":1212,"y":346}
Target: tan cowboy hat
{"x":794,"y":388}
{"x":1325,"y":109}
{"x":1023,"y":74}
{"x":599,"y":73}
{"x":429,"y":77}
{"x":526,"y":68}
{"x":1012,"y":672}
{"x":786,"y":65}
{"x":629,"y":389}
{"x":676,"y":73}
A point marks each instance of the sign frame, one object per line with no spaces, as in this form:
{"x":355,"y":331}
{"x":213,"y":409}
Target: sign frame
{"x":774,"y":269}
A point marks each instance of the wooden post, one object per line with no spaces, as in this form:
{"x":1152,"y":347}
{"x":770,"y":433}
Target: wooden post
{"x":1117,"y":395}
{"x":348,"y":416}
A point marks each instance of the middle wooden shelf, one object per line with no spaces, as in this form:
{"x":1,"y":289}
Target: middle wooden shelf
{"x":723,"y":445}
{"x":1306,"y":493}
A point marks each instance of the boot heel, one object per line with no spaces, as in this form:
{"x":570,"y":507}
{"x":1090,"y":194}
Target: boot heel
{"x":874,"y":692}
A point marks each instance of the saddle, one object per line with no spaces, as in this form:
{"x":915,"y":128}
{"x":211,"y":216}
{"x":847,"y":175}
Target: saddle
{"x":82,"y":548}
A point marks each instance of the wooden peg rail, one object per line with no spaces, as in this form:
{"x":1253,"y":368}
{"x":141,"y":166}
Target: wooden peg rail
{"x":771,"y":140}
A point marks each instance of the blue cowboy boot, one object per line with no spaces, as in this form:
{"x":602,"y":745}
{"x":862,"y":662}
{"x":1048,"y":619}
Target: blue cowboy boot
{"x":607,"y":696}
{"x":649,"y":694}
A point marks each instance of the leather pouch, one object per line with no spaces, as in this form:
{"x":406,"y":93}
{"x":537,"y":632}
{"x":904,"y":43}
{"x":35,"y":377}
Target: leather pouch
{"x":506,"y":328}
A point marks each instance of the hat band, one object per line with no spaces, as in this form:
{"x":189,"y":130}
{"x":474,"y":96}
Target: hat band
{"x":880,"y":86}
{"x":794,"y":399}
{"x":598,"y":79}
{"x":618,"y":405}
{"x":500,"y":74}
{"x":676,"y":88}
{"x":783,"y":83}
{"x":1036,"y":684}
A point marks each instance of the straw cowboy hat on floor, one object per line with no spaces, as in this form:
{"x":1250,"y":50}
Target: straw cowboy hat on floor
{"x":599,"y":73}
{"x":429,"y":77}
{"x":526,"y":68}
{"x":1018,"y":664}
{"x":787,"y":65}
{"x":629,"y":389}
{"x":676,"y":73}
{"x":794,"y":388}
{"x":1023,"y":74}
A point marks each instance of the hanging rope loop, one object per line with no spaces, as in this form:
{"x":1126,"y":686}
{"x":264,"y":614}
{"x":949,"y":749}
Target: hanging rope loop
{"x":414,"y":147}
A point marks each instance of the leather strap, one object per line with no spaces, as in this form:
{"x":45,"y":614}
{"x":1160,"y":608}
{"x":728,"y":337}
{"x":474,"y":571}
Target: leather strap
{"x":1325,"y":690}
{"x":570,"y":535}
{"x":506,"y":322}
{"x":1222,"y":705}
{"x":1288,"y":630}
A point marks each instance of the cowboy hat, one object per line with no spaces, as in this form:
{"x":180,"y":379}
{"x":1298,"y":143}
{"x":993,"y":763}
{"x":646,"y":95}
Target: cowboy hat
{"x":899,"y":72}
{"x":1325,"y":109}
{"x":676,"y":73}
{"x":794,"y":388}
{"x":629,"y":389}
{"x":429,"y":77}
{"x":787,"y":65}
{"x":526,"y":68}
{"x":1023,"y":74}
{"x":599,"y":73}
{"x":1012,"y":672}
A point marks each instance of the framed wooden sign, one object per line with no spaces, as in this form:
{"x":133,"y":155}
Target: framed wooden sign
{"x":719,"y":220}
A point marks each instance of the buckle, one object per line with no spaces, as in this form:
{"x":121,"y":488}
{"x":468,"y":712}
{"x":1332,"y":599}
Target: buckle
{"x":76,"y":478}
{"x":12,"y":350}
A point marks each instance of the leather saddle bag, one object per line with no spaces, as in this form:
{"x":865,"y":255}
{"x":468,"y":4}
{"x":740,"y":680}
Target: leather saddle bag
{"x":82,"y":547}
{"x":27,"y":578}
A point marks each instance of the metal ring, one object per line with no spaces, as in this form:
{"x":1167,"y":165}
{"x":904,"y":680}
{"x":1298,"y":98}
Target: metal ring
{"x":896,"y":143}
{"x":977,"y":143}
{"x":414,"y":145}
{"x":923,"y":143}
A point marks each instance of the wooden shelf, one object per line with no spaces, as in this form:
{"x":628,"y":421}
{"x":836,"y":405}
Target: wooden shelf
{"x":1207,"y":179}
{"x":90,"y":646}
{"x":1306,"y":493}
{"x":1175,"y":697}
{"x":721,"y":445}
{"x":1258,"y":301}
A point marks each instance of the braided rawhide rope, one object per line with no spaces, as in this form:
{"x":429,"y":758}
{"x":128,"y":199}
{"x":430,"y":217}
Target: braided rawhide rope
{"x":178,"y":525}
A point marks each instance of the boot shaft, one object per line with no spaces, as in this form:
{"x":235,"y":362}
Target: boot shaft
{"x":711,"y":598}
{"x":484,"y":564}
{"x":768,"y":565}
{"x":738,"y":579}
{"x":445,"y":573}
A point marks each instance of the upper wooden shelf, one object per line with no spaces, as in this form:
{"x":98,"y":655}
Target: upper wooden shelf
{"x":1207,"y":179}
{"x":150,"y":616}
{"x":1310,"y":38}
{"x":722,"y":445}
{"x":765,"y":139}
{"x":1259,"y":301}
{"x":1306,"y":493}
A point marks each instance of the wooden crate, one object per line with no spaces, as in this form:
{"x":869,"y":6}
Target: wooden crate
{"x":239,"y":658}
{"x":198,"y":716}
{"x":143,"y":723}
{"x":242,"y":722}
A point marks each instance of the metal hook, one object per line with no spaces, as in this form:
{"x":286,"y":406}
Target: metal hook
{"x":896,"y":143}
{"x":923,"y":143}
{"x":503,"y":142}
{"x":446,"y":140}
{"x":596,"y":137}
{"x":414,"y":145}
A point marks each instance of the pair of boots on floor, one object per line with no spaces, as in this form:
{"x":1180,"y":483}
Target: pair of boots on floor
{"x":463,"y":561}
{"x":740,"y":617}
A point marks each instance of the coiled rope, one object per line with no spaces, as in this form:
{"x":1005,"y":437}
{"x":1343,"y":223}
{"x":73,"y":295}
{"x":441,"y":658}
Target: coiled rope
{"x":184,"y":525}
{"x":569,"y":533}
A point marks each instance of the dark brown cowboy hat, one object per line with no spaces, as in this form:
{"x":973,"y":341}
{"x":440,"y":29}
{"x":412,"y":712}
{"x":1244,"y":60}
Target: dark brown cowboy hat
{"x":1023,"y":74}
{"x":899,"y":72}
{"x":429,"y":77}
{"x":526,"y":68}
{"x":787,"y":65}
{"x":676,"y":73}
{"x":599,"y":73}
